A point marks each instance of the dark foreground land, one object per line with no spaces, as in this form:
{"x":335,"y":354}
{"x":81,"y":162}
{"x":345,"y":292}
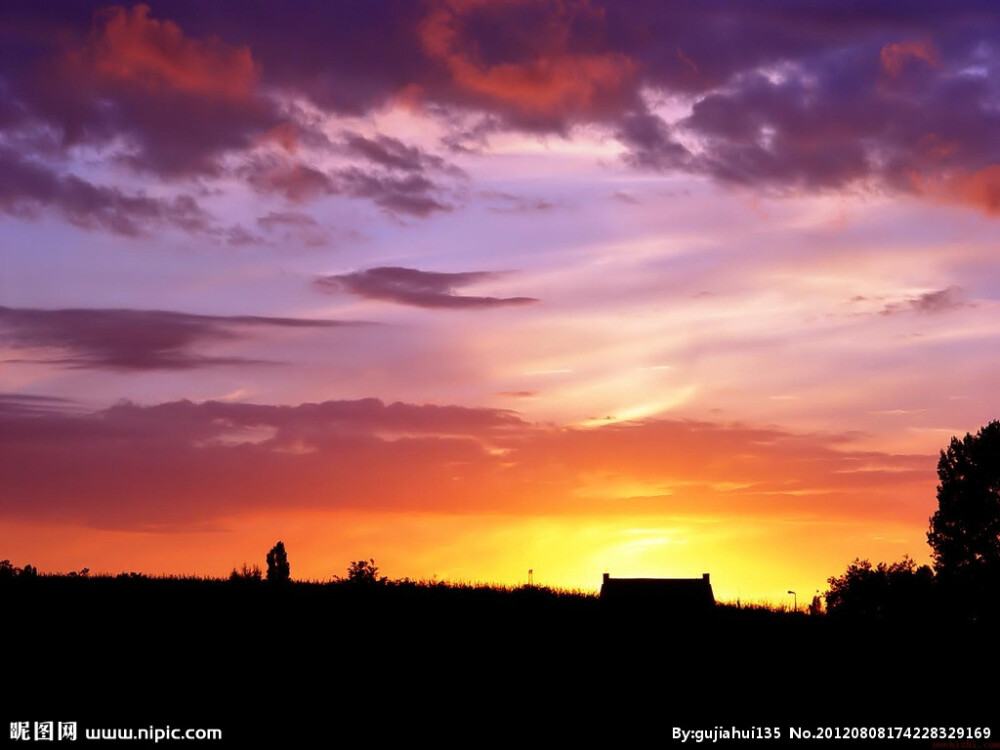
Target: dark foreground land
{"x":307,"y":665}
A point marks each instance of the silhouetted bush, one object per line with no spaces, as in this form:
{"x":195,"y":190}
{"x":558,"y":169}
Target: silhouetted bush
{"x":363,"y":573}
{"x":815,"y":607}
{"x":249,"y":574}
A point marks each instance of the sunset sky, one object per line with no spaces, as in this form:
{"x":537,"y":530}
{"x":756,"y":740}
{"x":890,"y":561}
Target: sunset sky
{"x":472,"y":288}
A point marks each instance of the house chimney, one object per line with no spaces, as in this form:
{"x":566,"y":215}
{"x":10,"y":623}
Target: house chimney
{"x":704,"y":577}
{"x":606,"y":577}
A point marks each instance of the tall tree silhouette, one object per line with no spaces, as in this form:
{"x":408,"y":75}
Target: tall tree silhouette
{"x":278,"y":570}
{"x":965,"y":530}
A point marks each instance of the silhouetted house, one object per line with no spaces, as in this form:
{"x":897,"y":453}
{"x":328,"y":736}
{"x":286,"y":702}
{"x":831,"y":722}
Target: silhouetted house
{"x":677,"y":597}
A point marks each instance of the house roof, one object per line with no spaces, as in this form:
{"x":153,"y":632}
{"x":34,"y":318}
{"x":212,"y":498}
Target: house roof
{"x":682,"y":593}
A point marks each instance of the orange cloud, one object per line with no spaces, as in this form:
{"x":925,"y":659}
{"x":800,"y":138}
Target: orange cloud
{"x":894,"y":57}
{"x":551,"y":82}
{"x":202,"y":462}
{"x":980,"y":189}
{"x":132,"y":47}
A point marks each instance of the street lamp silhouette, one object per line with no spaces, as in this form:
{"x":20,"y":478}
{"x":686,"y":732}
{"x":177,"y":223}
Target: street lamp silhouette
{"x":796,"y":600}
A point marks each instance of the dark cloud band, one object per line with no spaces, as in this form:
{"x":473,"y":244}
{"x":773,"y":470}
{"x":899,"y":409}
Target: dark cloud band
{"x":134,"y":340}
{"x":408,"y":286}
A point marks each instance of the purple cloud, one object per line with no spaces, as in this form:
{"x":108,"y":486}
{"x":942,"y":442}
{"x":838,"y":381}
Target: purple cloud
{"x":412,"y":194}
{"x":787,"y":95}
{"x":276,"y":219}
{"x":26,"y":187}
{"x":392,"y":153}
{"x":134,"y":340}
{"x":930,"y":303}
{"x":408,"y":286}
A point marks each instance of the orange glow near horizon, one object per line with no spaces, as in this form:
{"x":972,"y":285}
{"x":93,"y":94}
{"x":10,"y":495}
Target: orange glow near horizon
{"x":460,"y":494}
{"x":457,"y":494}
{"x":750,"y":561}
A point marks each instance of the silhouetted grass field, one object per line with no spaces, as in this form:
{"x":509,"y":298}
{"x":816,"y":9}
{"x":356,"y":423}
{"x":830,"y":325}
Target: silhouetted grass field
{"x":406,"y":660}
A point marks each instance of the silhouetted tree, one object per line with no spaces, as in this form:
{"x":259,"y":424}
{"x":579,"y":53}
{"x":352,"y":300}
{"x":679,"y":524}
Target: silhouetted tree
{"x":965,"y":530}
{"x":364,"y":572}
{"x":278,"y":570}
{"x":815,"y":607}
{"x":899,"y":589}
{"x":7,"y":571}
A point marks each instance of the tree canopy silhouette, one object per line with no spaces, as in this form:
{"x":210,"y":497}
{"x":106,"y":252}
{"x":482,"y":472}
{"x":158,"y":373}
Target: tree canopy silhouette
{"x":965,"y":531}
{"x":883,"y":591}
{"x":278,"y":570}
